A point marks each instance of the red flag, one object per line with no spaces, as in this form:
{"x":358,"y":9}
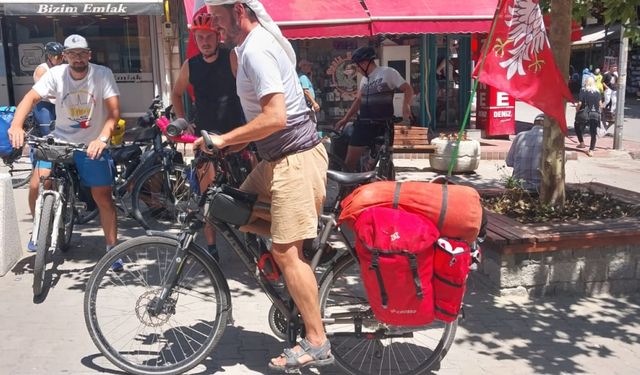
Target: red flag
{"x":519,"y":60}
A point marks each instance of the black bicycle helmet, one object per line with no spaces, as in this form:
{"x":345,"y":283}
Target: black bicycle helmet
{"x":53,"y":49}
{"x":363,"y":54}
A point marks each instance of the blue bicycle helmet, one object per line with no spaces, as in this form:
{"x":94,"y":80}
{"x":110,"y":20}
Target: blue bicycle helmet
{"x":363,"y":54}
{"x":53,"y":49}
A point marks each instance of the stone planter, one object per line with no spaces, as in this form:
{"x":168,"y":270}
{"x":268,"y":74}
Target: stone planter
{"x":581,"y":257}
{"x":468,"y":155}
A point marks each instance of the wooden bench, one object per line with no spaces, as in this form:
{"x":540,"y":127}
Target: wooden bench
{"x":411,"y":140}
{"x":508,"y":236}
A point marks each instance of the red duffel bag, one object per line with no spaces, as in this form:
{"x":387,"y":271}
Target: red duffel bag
{"x":451,"y":262}
{"x":395,"y":251}
{"x":455,"y":209}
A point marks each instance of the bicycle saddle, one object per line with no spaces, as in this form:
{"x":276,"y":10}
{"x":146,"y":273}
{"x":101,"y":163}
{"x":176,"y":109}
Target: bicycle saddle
{"x":344,"y":178}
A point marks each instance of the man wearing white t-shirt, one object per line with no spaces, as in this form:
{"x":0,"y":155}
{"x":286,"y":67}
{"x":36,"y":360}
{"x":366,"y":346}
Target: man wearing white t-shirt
{"x":292,"y":173}
{"x":374,"y":101}
{"x":87,"y":110}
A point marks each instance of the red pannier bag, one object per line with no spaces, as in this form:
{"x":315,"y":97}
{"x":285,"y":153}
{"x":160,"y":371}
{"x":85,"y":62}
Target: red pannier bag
{"x":456,"y":209}
{"x":451,"y":263}
{"x":395,"y":250}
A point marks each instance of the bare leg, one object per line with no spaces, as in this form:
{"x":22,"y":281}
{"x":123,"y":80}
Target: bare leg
{"x":303,"y":288}
{"x":353,"y":157}
{"x":102,"y":196}
{"x":34,"y":185}
{"x":206,"y":174}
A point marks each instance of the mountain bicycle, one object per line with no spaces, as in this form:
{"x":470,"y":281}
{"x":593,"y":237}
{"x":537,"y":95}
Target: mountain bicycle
{"x":167,"y":310}
{"x":56,"y":206}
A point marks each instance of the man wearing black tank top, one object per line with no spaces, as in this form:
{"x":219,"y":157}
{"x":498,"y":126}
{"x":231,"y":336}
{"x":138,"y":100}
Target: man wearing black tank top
{"x":218,"y":108}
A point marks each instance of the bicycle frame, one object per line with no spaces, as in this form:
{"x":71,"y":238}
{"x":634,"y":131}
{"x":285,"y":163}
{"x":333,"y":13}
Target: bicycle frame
{"x":248,"y":258}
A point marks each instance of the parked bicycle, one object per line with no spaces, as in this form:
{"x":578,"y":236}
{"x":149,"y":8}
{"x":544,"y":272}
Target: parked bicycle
{"x":169,"y":307}
{"x":56,"y":206}
{"x":150,"y":179}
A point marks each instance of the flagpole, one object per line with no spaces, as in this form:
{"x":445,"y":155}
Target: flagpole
{"x":465,"y":120}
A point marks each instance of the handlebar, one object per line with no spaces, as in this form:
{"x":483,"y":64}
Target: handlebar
{"x":207,"y":141}
{"x":33,"y":140}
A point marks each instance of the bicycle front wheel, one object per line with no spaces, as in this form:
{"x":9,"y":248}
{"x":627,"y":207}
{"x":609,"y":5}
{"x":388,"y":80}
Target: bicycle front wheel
{"x":117,"y":307}
{"x":363,"y":345}
{"x":45,"y":230}
{"x":160,"y":195}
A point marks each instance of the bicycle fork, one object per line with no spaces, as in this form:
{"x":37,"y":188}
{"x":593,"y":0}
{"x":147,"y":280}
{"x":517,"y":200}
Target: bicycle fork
{"x":157,"y":306}
{"x":57,"y":197}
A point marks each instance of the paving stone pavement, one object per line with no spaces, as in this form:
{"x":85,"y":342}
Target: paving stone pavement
{"x":499,"y":335}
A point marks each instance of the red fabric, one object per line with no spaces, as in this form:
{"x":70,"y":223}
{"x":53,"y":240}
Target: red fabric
{"x":576,"y":29}
{"x":462,"y":211}
{"x":519,"y":60}
{"x":450,"y":270}
{"x":384,"y":239}
{"x":430,"y":16}
{"x":306,"y":19}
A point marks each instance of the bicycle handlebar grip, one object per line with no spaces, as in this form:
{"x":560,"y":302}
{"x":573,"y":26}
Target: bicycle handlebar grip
{"x":207,"y":141}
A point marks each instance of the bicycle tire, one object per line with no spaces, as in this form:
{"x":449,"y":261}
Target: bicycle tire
{"x":68,"y":216}
{"x":342,"y":292}
{"x":45,"y":231}
{"x":157,"y":209}
{"x":114,"y":302}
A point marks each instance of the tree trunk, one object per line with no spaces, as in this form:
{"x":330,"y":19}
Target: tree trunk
{"x":552,"y":167}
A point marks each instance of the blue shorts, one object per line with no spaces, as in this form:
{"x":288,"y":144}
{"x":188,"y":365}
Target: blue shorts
{"x":98,"y":172}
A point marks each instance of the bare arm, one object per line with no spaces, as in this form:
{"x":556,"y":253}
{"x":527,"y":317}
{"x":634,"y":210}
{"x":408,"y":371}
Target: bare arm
{"x":112,"y":104}
{"x":16,"y":134}
{"x":180,"y":86}
{"x":233,"y":58}
{"x":406,"y":104}
{"x":352,"y":111}
{"x":39,"y":72}
{"x":314,"y":104}
{"x":272,"y":118}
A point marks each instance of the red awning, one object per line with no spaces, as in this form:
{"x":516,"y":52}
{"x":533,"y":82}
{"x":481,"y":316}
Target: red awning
{"x":308,"y":19}
{"x":431,"y":16}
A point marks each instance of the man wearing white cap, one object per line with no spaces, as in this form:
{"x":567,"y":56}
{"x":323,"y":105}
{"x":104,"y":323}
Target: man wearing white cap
{"x":87,"y":110}
{"x":292,"y":174}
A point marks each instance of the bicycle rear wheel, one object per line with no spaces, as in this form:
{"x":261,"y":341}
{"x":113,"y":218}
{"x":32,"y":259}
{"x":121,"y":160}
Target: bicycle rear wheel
{"x":192,"y":320}
{"x":45,"y":230}
{"x":160,"y":195}
{"x":377,"y":348}
{"x":68,"y":216}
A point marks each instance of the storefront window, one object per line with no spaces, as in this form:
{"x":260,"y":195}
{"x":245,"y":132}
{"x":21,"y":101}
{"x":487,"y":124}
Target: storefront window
{"x":448,"y":78}
{"x":121,"y":43}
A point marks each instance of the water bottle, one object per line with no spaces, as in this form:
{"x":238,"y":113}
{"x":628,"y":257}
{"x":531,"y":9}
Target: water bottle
{"x":118,"y":133}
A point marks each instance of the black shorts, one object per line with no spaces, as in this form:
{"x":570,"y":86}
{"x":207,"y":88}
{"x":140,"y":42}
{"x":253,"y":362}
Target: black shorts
{"x":364,"y":133}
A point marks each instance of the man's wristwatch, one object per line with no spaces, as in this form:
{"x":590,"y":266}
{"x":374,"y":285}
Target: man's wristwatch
{"x":104,"y":139}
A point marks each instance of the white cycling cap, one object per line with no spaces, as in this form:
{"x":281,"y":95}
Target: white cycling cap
{"x":265,"y":20}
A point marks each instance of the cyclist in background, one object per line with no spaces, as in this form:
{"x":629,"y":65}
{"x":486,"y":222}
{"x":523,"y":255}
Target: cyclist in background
{"x":88,"y":109}
{"x":45,"y":110}
{"x":374,"y":101}
{"x":218,"y":107}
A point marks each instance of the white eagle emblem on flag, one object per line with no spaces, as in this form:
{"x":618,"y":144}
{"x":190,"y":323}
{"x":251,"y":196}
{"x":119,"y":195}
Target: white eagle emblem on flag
{"x":527,"y":37}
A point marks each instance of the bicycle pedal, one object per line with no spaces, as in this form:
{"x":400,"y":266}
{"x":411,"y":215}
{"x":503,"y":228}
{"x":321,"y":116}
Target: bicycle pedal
{"x":80,"y":206}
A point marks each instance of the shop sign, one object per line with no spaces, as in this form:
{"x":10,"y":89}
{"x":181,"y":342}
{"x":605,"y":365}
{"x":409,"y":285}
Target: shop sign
{"x":343,"y":74}
{"x":132,"y":77}
{"x":30,"y":55}
{"x":76,"y":7}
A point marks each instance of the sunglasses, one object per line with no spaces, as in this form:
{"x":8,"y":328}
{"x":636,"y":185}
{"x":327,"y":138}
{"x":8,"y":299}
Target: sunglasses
{"x":76,"y":55}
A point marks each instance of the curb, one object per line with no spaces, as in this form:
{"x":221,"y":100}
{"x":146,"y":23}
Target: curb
{"x":10,"y":248}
